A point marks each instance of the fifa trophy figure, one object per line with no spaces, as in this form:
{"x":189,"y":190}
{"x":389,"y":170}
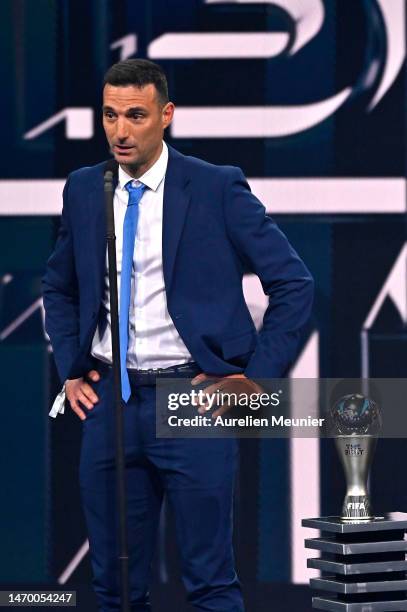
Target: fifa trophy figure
{"x":356,"y":421}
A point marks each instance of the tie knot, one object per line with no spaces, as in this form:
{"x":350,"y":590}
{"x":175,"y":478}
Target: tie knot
{"x":135,"y":192}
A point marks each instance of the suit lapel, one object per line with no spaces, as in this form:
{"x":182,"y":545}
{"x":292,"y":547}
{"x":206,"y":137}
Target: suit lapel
{"x":177,"y":197}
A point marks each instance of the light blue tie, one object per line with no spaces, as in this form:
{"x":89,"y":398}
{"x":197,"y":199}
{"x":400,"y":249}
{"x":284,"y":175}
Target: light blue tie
{"x":129,"y":237}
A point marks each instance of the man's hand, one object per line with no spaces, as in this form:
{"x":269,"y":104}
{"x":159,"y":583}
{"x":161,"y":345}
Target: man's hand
{"x":78,"y":390}
{"x":234,"y":383}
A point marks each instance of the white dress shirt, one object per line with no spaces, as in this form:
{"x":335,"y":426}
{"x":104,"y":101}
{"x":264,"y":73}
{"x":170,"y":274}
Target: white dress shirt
{"x":153,"y":339}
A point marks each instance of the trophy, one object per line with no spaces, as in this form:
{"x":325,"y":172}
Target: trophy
{"x":362,"y":557}
{"x":356,"y":421}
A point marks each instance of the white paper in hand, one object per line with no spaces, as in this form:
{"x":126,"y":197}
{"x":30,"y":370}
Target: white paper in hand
{"x":59,"y":404}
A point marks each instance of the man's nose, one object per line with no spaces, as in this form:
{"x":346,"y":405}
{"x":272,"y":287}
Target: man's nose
{"x":122,"y":129}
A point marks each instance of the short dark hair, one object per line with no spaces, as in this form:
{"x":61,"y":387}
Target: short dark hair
{"x":138,"y":72}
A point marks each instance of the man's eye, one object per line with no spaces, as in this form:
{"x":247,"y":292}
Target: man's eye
{"x":137,"y":116}
{"x":109,"y":115}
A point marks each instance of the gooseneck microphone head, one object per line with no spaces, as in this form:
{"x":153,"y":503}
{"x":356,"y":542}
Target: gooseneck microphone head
{"x":110,"y":177}
{"x":110,"y":174}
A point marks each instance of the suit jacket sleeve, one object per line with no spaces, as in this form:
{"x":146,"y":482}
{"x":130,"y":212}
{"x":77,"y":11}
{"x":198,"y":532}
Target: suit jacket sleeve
{"x":60,"y":295}
{"x":266,"y":251}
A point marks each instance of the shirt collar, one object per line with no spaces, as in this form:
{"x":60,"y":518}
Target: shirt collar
{"x":152,"y":177}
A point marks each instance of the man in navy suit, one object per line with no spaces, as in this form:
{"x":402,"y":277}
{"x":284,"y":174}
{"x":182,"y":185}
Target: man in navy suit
{"x":198,"y":230}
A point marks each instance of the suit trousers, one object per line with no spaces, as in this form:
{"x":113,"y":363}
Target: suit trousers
{"x":197,"y":478}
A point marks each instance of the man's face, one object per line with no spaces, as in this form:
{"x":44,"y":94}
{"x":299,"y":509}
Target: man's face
{"x":134,"y":121}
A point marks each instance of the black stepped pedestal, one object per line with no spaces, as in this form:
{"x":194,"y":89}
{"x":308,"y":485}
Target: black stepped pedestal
{"x":363,"y":563}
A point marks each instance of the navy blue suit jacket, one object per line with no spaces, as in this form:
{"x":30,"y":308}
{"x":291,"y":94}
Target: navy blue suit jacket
{"x":214,"y":230}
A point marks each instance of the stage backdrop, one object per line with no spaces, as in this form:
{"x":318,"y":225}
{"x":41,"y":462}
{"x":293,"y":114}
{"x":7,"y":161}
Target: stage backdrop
{"x":308,"y":98}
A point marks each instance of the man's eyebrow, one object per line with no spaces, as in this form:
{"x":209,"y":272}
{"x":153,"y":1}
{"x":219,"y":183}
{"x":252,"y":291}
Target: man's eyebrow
{"x":133,"y":109}
{"x":136,"y":109}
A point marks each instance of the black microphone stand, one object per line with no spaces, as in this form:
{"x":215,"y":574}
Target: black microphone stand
{"x":120,"y":457}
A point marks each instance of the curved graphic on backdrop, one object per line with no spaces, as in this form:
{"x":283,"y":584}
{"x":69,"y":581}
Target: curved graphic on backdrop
{"x":394,"y":16}
{"x":252,"y":121}
{"x":308,"y":16}
{"x":385,"y":55}
{"x":280,"y":121}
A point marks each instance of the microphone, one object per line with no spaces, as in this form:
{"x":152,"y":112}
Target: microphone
{"x":110,"y":176}
{"x":111,"y":171}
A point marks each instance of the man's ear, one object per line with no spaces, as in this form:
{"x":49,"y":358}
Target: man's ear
{"x":168,"y":114}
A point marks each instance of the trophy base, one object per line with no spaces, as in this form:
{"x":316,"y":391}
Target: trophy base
{"x":363,"y":563}
{"x":388,"y":522}
{"x":361,"y":519}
